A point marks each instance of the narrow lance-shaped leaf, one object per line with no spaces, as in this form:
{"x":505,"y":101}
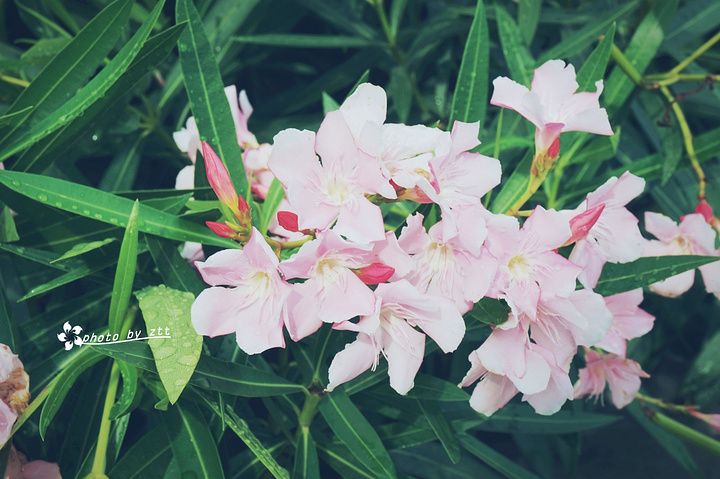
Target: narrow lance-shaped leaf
{"x":148,"y":457}
{"x":351,"y":427}
{"x":618,"y":278}
{"x":442,"y":429}
{"x":61,"y":78}
{"x":206,"y":92}
{"x":125,"y":272}
{"x":167,"y":313}
{"x":306,"y":458}
{"x":494,"y":459}
{"x":94,"y":90}
{"x":191,"y":442}
{"x":108,"y":208}
{"x":518,"y":58}
{"x":65,"y":380}
{"x":470,"y":98}
{"x":210,"y":373}
{"x":129,"y":390}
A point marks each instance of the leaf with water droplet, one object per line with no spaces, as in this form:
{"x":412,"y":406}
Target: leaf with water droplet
{"x":168,"y":310}
{"x":82,"y":248}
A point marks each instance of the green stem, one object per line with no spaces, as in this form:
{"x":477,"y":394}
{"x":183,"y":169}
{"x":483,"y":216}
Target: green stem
{"x":685,"y":433}
{"x":535,"y":181}
{"x":14,"y":81}
{"x":703,"y":48}
{"x":308,"y":412}
{"x":100,"y":459}
{"x":625,"y":65}
{"x":687,"y":140}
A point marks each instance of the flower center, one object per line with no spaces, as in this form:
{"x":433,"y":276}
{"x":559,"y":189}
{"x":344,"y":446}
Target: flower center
{"x":682,"y":245}
{"x":520,"y":268}
{"x":337,"y":189}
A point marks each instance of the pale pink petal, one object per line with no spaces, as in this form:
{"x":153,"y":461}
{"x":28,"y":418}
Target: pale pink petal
{"x":404,"y":355}
{"x":492,"y":393}
{"x":554,"y":82}
{"x":185,"y":179}
{"x":355,"y":359}
{"x":592,"y":121}
{"x":465,"y":136}
{"x":711,"y":277}
{"x":674,"y":286}
{"x":509,"y":94}
{"x":413,"y":237}
{"x":367,"y":103}
{"x":361,"y":221}
{"x":293,"y":156}
{"x":345,"y":299}
{"x":302,"y":306}
{"x":7,"y":419}
{"x":41,"y":470}
{"x":662,"y":227}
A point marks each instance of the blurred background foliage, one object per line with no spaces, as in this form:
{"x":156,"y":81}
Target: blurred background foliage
{"x":290,"y":55}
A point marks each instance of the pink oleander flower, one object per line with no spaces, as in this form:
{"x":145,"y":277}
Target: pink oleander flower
{"x":457,"y":268}
{"x":563,"y":324}
{"x":253,"y":305}
{"x":334,"y":191}
{"x":14,"y":391}
{"x":390,"y":331}
{"x":621,"y":374}
{"x":553,"y":105}
{"x":692,"y":236}
{"x":614,"y":236}
{"x":460,"y":179}
{"x":529,"y":265}
{"x":508,"y":363}
{"x":332,"y":292}
{"x":402,"y":152}
{"x":629,"y":321}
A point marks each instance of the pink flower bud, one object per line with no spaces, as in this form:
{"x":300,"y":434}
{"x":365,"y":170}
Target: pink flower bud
{"x":706,"y":210}
{"x":581,"y":224}
{"x":375,"y":273}
{"x":713,"y":420}
{"x":219,"y":178}
{"x":554,"y":149}
{"x":288,"y":220}
{"x":220,"y":229}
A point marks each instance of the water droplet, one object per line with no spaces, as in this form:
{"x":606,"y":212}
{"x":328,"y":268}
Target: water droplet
{"x":15,"y":183}
{"x":58,"y":204}
{"x":42,"y":197}
{"x":187,"y":360}
{"x":94,"y":138}
{"x":179,"y":382}
{"x":97,"y":216}
{"x":114,"y":221}
{"x":163,"y":352}
{"x":183,"y":47}
{"x":74,"y":207}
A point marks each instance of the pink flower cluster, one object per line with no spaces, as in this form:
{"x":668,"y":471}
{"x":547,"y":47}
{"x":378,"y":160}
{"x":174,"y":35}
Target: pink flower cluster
{"x":393,"y":291}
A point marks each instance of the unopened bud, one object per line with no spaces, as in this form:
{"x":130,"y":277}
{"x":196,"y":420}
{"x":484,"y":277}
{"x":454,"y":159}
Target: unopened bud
{"x":375,"y":273}
{"x":219,"y":178}
{"x":288,"y":220}
{"x":581,"y":224}
{"x":706,"y":210}
{"x":221,"y":229}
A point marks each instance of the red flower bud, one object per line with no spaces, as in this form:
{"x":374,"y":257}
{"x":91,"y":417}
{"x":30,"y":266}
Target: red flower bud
{"x":375,"y":273}
{"x":583,"y":223}
{"x":220,"y":229}
{"x":706,"y":210}
{"x":288,"y":220}
{"x":219,"y":178}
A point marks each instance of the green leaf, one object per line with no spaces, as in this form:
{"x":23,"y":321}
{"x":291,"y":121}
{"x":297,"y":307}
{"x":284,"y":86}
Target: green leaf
{"x":206,"y":92}
{"x":667,"y":441}
{"x":108,"y":208}
{"x":693,"y":20}
{"x":129,"y":390}
{"x":11,"y":117}
{"x":518,"y":58}
{"x":44,"y":50}
{"x":594,"y":67}
{"x":329,"y":103}
{"x":174,"y":269}
{"x":304,"y":41}
{"x":61,"y":78}
{"x":210,"y":373}
{"x":7,"y":334}
{"x":618,"y":278}
{"x":341,"y":460}
{"x":441,"y":428}
{"x":191,"y":442}
{"x":351,"y":427}
{"x":121,"y":173}
{"x":528,"y":17}
{"x":275,"y":195}
{"x":430,"y":388}
{"x":306,"y":458}
{"x":641,"y":50}
{"x":242,"y":430}
{"x":494,"y":459}
{"x":524,"y":420}
{"x":146,"y":459}
{"x":490,"y":311}
{"x":65,"y":380}
{"x":82,"y":248}
{"x":168,"y":310}
{"x":586,"y":35}
{"x":514,"y":187}
{"x":471,"y":90}
{"x":701,"y":381}
{"x":8,"y":231}
{"x":89,"y":94}
{"x":125,"y":272}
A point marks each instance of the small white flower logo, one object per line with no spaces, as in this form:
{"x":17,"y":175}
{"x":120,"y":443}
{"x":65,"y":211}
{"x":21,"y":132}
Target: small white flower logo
{"x":70,"y":336}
